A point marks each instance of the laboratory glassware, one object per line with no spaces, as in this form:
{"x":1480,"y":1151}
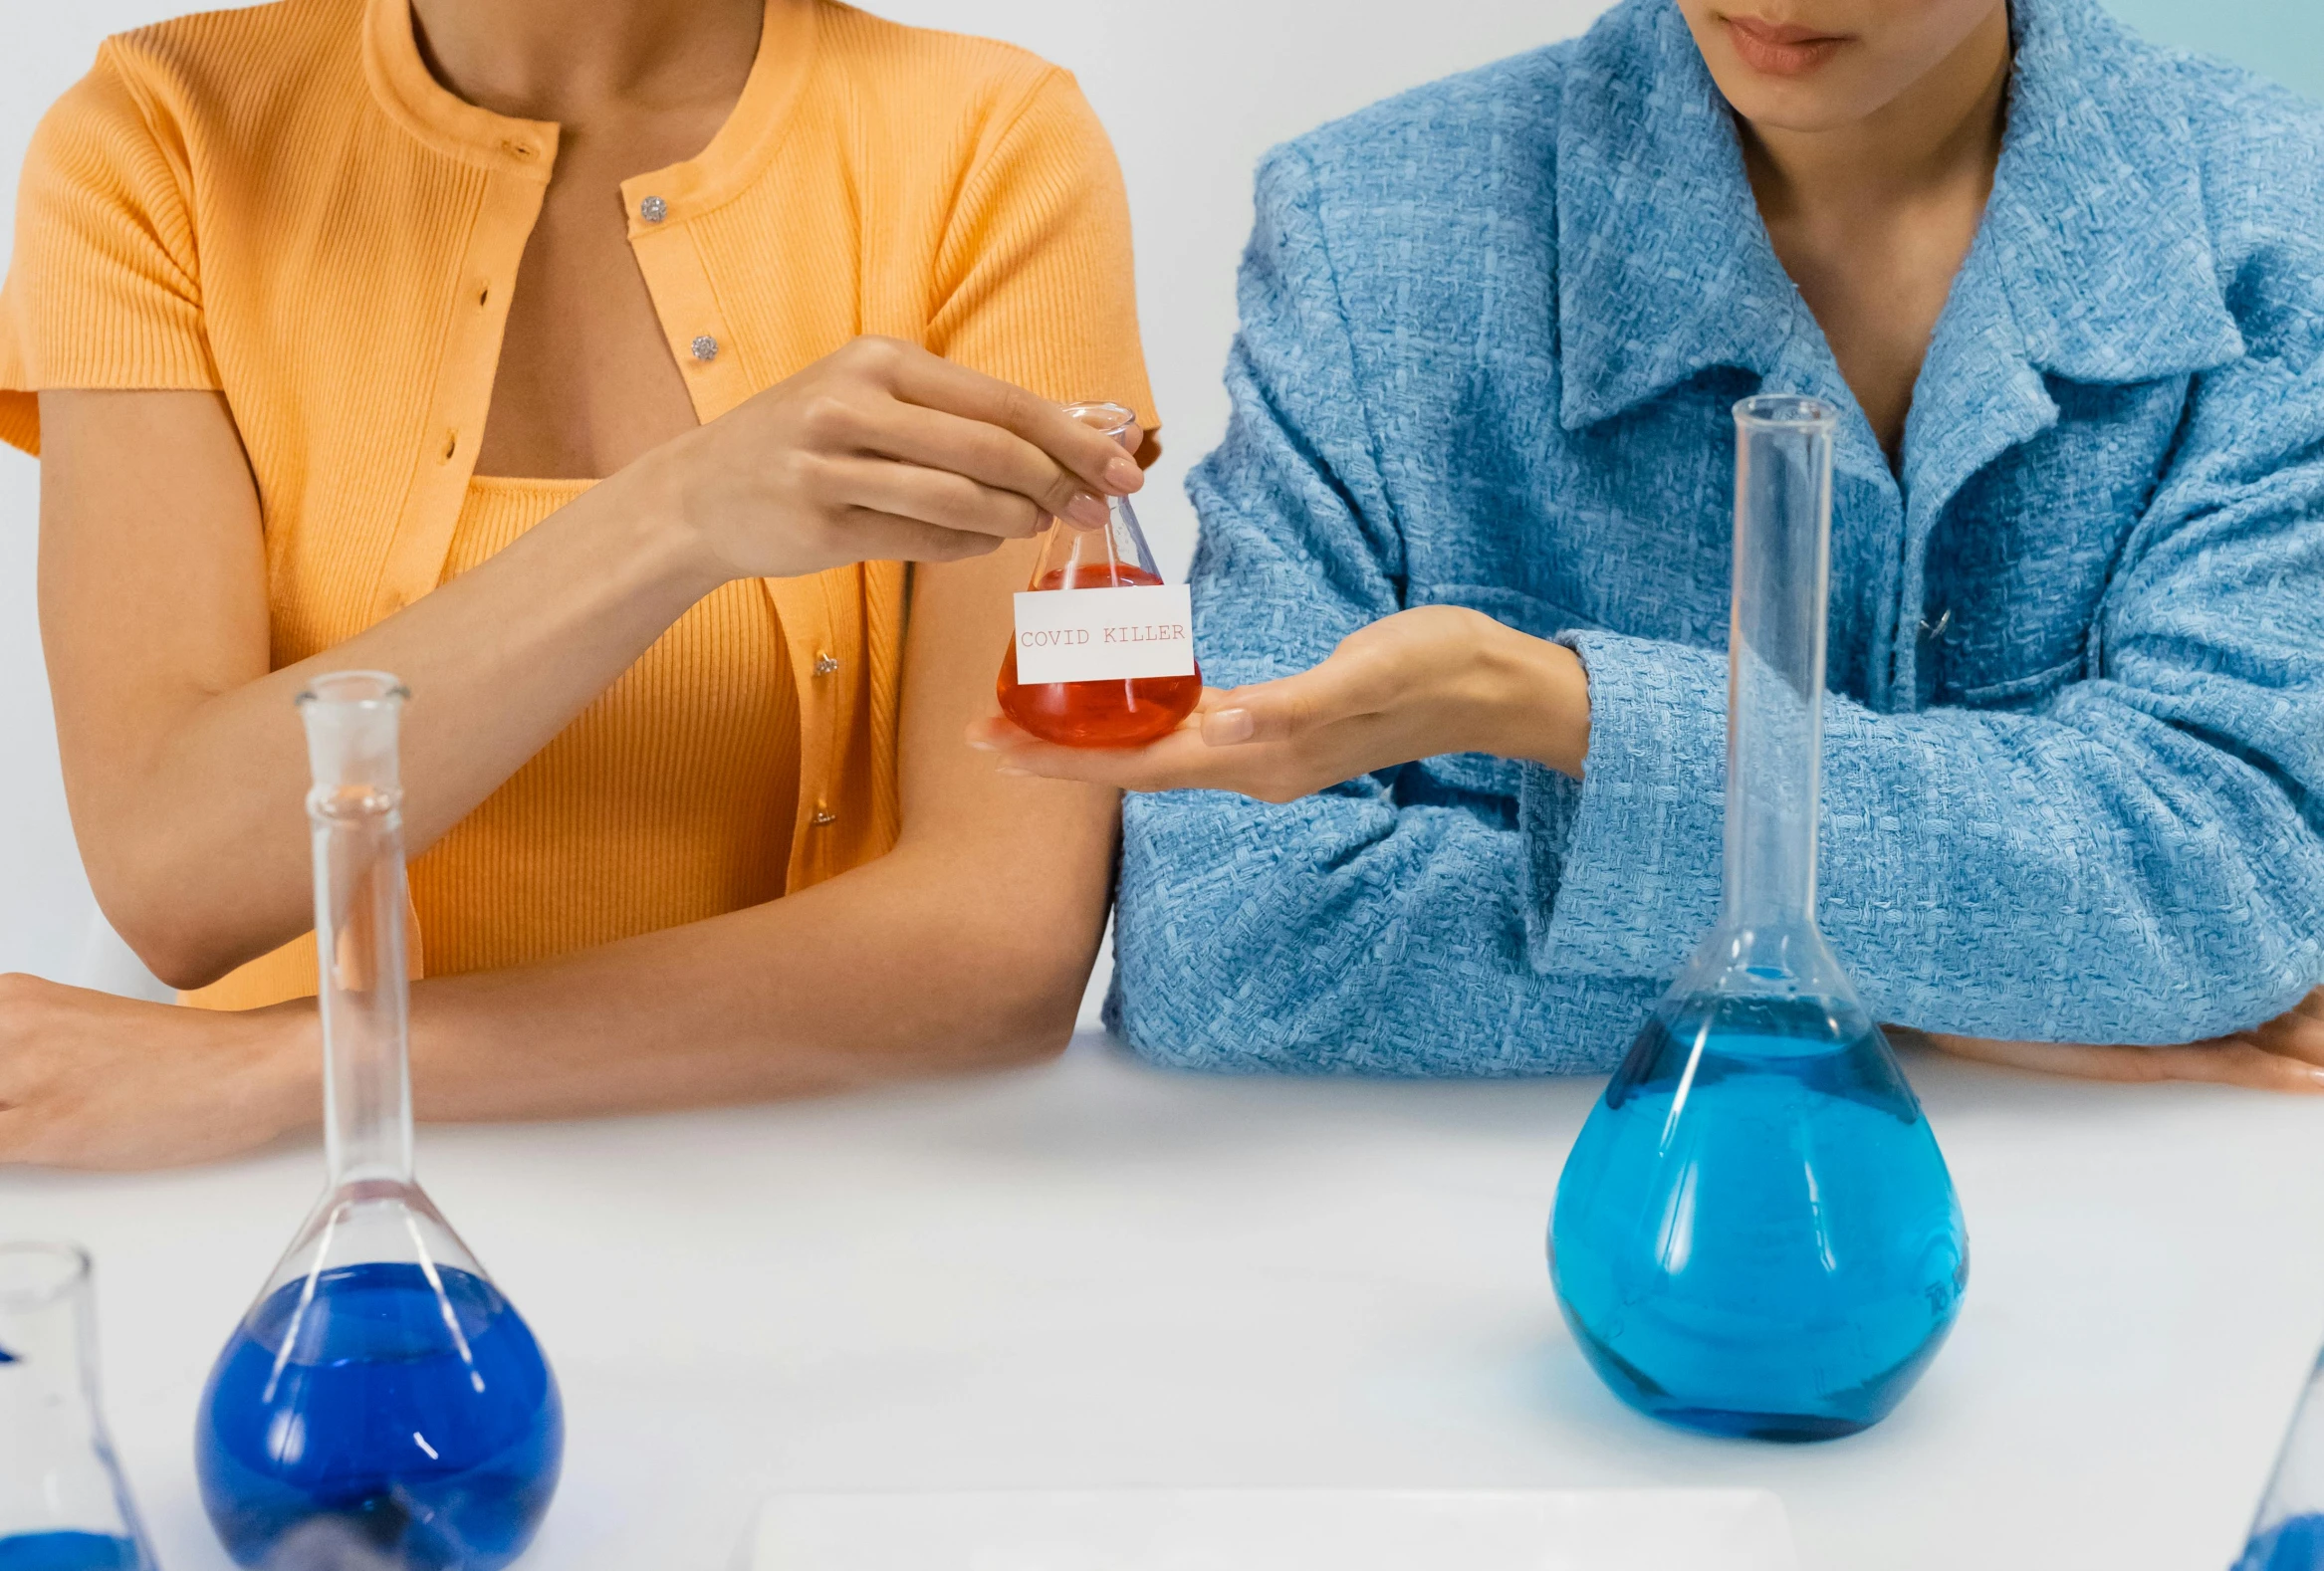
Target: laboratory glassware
{"x":381,"y":1400}
{"x":1756,"y":1233}
{"x":1122,"y":712}
{"x":63,"y":1504}
{"x":2288,"y":1534}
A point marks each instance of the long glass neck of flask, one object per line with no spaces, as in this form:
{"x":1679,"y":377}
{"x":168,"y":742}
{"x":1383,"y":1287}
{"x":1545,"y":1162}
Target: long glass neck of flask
{"x":1776,"y":660}
{"x":355,"y":812}
{"x":49,"y":1350}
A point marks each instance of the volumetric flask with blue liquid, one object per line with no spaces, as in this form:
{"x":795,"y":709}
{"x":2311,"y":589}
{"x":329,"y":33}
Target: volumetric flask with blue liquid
{"x":381,"y":1404}
{"x":63,"y":1505}
{"x":1756,"y":1233}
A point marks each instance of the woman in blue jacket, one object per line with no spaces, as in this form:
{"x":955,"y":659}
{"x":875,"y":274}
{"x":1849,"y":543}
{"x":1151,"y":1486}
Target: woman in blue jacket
{"x":1466,"y":548}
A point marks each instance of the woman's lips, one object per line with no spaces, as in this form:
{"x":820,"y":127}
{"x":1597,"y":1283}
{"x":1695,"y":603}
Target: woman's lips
{"x":1777,"y":50}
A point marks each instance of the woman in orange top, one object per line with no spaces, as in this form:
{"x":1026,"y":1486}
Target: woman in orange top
{"x":326,"y":316}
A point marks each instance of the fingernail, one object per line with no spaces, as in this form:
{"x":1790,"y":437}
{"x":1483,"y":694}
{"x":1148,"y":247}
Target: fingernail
{"x":1087,"y":509}
{"x":982,"y":746}
{"x":1226,"y":726}
{"x":1124,"y":475}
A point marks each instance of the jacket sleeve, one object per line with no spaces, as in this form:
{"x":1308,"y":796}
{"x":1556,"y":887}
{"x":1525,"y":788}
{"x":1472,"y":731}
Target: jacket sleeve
{"x":2138,"y":859}
{"x":1387,"y":925}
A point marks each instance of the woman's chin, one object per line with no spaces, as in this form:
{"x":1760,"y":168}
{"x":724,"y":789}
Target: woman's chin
{"x":1823,"y":100}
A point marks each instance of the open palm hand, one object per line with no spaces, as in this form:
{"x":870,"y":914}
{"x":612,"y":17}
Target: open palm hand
{"x":2285,"y":1054}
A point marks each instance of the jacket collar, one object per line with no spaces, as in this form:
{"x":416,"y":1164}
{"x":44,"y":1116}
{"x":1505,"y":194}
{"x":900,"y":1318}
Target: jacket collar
{"x":2093,"y":263}
{"x":1664,"y":266}
{"x":2097,"y":224}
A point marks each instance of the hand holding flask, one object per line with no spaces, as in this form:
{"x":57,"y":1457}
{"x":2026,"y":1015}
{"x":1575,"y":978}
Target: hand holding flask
{"x":1110,"y":711}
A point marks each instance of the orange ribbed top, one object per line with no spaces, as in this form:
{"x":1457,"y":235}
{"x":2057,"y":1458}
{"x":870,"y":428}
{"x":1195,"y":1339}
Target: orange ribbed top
{"x":283,"y":204}
{"x":669,"y":799}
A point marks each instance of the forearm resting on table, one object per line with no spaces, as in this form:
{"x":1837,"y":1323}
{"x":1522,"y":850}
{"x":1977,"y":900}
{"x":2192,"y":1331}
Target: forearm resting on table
{"x":2282,"y":1055}
{"x":878,"y":976}
{"x":875,"y":976}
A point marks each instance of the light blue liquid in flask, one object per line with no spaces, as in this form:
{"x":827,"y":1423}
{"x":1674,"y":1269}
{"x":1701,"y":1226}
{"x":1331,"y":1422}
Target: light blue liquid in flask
{"x":2288,"y":1534}
{"x":381,"y":1404}
{"x":1756,"y":1235}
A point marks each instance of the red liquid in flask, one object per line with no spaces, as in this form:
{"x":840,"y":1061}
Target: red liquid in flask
{"x":1123,"y":713}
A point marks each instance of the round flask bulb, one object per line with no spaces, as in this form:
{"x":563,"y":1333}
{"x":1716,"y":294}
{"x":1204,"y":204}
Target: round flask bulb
{"x":1756,"y":1235}
{"x":382,"y":1407}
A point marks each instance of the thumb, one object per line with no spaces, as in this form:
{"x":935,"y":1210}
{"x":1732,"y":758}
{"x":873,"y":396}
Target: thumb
{"x":1277,"y":711}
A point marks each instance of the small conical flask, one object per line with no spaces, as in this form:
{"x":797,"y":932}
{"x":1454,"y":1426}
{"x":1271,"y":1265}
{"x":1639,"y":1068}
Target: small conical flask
{"x":63,"y":1504}
{"x":2288,"y":1532}
{"x":381,"y":1404}
{"x":1110,"y":711}
{"x":1756,"y":1233}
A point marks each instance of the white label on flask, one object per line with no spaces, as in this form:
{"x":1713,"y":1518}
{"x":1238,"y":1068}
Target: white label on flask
{"x":1104,"y":635}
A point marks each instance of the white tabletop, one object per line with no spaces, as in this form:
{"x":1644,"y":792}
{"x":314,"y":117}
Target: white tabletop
{"x":1093,"y":1274}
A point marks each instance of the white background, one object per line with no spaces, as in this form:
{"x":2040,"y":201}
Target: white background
{"x":1192,"y":89}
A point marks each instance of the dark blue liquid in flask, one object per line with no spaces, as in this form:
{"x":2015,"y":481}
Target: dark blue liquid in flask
{"x":381,"y":1403}
{"x":1756,"y":1235}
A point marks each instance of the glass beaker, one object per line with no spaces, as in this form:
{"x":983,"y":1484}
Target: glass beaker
{"x":381,"y":1400}
{"x":63,"y":1504}
{"x":2288,"y":1532}
{"x":1120,"y":712}
{"x":1756,"y":1233}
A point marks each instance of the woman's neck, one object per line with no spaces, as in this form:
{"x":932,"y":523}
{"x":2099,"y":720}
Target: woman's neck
{"x":560,"y":60}
{"x":1943,"y":130}
{"x":1874,"y":218}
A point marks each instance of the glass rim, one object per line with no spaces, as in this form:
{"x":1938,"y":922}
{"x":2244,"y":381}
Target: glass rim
{"x":1784,"y":413}
{"x":69,"y":1267}
{"x":355,"y":688}
{"x":1104,"y":416}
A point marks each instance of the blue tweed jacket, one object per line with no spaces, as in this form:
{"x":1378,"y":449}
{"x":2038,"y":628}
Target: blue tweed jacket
{"x":2074,"y":772}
